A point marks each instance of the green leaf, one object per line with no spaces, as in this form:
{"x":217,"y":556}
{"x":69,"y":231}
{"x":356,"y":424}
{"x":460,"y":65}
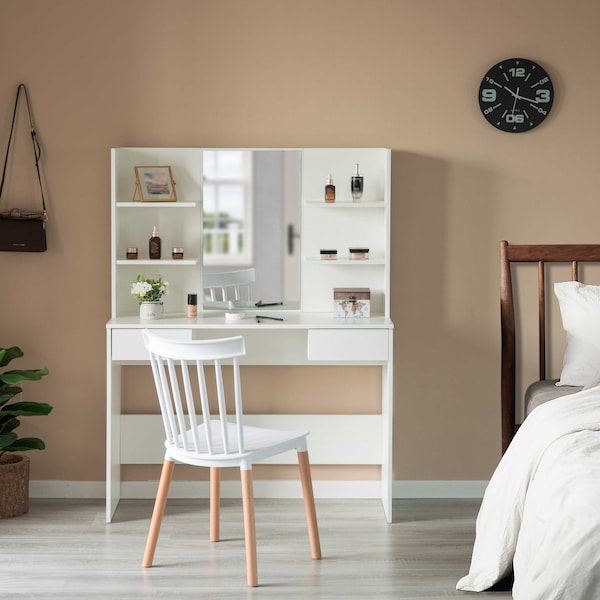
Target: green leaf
{"x":26,"y":409}
{"x":8,"y":423}
{"x":8,"y":354}
{"x":7,"y":439}
{"x":17,"y":376}
{"x":7,"y":392}
{"x":23,"y":445}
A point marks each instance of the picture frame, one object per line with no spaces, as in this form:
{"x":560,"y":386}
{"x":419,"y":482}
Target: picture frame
{"x":155,"y":183}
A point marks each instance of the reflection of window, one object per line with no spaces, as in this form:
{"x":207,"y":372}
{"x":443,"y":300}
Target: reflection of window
{"x":227,"y":205}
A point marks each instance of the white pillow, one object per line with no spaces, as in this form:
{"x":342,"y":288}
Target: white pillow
{"x":580,"y":311}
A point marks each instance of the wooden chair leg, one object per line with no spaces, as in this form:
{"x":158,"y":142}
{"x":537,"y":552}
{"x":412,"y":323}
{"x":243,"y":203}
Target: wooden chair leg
{"x":158,"y":512}
{"x":249,"y":527}
{"x":309,"y":505}
{"x":215,"y":503}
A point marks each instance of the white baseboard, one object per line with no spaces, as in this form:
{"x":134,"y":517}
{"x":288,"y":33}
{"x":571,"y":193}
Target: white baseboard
{"x":439,"y":489}
{"x":264,"y":489}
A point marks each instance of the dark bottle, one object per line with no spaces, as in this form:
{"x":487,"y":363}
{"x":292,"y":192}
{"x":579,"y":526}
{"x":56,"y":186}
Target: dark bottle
{"x":154,"y":244}
{"x":356,"y":185}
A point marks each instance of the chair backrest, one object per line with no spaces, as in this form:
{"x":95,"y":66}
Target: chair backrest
{"x":542,"y":255}
{"x":229,"y":285}
{"x":180,"y":374}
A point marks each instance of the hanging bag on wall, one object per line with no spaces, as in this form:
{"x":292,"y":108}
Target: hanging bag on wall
{"x":23,"y":230}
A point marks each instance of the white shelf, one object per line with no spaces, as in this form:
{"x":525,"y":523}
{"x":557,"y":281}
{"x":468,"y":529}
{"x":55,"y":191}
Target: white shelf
{"x":358,"y":205}
{"x":157,"y":204}
{"x":161,"y":261}
{"x":347,"y":261}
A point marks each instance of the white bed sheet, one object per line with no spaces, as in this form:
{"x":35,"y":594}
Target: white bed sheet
{"x":541,"y":510}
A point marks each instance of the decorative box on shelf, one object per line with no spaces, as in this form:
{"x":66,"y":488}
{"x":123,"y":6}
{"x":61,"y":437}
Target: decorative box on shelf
{"x":352,"y":302}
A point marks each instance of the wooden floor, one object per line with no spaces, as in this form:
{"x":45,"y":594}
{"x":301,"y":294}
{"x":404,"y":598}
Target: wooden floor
{"x":64,"y":549}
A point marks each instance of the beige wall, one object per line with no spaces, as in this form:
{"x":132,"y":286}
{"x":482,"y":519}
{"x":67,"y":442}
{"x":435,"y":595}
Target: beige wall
{"x":394,"y":73}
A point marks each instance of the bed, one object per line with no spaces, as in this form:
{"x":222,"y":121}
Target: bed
{"x":540,"y":515}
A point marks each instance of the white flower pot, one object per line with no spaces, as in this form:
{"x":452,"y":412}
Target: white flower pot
{"x":151,"y":310}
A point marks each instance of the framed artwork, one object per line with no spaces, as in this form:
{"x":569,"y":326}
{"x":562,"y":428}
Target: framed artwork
{"x":155,"y":184}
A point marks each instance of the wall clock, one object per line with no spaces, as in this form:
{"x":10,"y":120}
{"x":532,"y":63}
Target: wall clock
{"x":516,"y":95}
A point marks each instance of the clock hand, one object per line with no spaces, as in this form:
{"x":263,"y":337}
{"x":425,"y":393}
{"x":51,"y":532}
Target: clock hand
{"x":528,"y":99}
{"x":515,"y":102}
{"x":519,"y":97}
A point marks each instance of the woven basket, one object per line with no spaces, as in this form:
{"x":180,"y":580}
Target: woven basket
{"x":14,"y":485}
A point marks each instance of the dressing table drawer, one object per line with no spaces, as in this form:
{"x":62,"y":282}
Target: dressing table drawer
{"x":356,"y":345}
{"x":128,"y":344}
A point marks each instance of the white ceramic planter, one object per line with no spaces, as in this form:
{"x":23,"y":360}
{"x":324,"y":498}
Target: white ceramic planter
{"x":151,"y":310}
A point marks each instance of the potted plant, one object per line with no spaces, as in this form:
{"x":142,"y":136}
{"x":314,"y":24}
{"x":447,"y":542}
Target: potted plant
{"x":150,"y":293}
{"x":14,"y":468}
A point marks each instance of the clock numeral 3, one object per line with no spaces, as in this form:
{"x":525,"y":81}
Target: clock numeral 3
{"x":542,"y":95}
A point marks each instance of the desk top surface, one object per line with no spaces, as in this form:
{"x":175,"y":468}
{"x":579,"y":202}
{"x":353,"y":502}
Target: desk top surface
{"x":216,"y":320}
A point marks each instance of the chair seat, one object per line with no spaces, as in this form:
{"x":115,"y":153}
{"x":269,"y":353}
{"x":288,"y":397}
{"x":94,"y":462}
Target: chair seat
{"x":259,"y":443}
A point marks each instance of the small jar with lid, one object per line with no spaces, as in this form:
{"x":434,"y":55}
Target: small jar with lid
{"x":328,"y":254}
{"x":358,"y":253}
{"x":177,"y":254}
{"x":132,"y":253}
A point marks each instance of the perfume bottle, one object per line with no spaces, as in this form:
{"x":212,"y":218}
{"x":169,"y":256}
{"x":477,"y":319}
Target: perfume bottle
{"x":154,"y":244}
{"x":356,"y":185}
{"x":329,"y":190}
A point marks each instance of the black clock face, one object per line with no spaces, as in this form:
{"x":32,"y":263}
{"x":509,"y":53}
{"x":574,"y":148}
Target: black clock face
{"x":516,"y":95}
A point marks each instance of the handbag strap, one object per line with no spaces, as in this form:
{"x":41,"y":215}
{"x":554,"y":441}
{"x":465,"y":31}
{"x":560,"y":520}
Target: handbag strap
{"x":37,"y":150}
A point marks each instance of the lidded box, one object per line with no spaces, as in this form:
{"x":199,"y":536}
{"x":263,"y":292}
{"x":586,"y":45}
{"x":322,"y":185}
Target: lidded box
{"x":351,"y":302}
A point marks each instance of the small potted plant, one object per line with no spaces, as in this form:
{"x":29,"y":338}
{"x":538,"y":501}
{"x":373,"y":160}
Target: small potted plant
{"x":150,"y":293}
{"x":14,"y":468}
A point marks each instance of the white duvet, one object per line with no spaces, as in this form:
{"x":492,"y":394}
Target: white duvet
{"x":540,"y":513}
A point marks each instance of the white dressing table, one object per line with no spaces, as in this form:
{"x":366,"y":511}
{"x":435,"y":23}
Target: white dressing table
{"x":308,"y":337}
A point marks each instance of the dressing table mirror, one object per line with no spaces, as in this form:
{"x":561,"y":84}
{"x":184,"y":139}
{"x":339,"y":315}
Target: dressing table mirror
{"x":251,"y":228}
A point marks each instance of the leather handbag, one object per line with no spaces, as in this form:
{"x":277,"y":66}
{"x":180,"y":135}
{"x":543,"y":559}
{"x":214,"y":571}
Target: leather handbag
{"x":23,"y":230}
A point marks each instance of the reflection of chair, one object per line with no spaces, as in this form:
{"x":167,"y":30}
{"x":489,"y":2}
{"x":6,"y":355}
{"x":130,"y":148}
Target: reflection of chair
{"x":229,"y":285}
{"x":215,"y":441}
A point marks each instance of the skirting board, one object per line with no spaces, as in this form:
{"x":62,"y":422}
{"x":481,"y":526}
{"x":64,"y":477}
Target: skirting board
{"x":264,"y":489}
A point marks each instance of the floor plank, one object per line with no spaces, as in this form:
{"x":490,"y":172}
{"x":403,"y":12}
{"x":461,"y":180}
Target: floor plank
{"x":64,"y":549}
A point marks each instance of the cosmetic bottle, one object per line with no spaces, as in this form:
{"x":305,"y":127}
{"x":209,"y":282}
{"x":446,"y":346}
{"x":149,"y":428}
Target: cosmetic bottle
{"x":356,"y":185}
{"x":192,"y":306}
{"x":329,"y":190}
{"x":154,"y":244}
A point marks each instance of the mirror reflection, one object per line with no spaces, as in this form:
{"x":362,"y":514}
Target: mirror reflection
{"x":251,"y":201}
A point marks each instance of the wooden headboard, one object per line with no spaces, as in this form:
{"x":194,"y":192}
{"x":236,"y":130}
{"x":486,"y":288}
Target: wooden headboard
{"x":540,"y":254}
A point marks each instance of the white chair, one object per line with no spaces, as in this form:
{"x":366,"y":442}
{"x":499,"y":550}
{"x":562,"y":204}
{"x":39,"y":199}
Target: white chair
{"x":229,"y":285}
{"x":195,"y":437}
